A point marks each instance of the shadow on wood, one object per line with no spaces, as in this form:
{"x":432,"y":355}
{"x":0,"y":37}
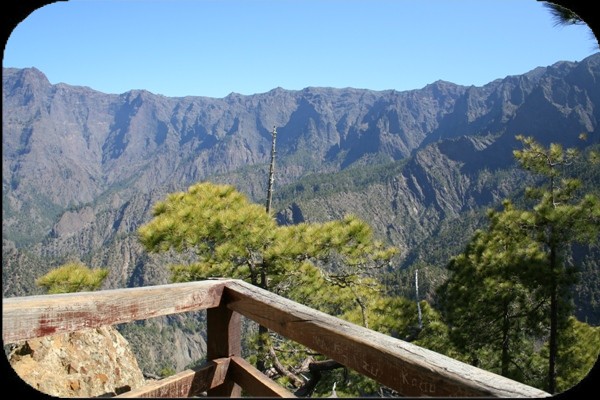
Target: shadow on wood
{"x":404,"y":367}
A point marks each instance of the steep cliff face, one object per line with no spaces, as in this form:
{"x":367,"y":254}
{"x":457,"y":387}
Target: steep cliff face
{"x":407,"y":204}
{"x":67,"y":145}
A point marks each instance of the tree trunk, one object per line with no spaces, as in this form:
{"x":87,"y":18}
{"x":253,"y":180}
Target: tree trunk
{"x":505,"y":341}
{"x":417,"y":297}
{"x":315,"y":369}
{"x":553,"y":345}
{"x":262,"y":331}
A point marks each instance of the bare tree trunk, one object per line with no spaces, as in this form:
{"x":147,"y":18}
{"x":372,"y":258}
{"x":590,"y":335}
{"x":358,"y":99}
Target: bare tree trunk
{"x":271,"y":172}
{"x":417,"y":296}
{"x":262,"y":331}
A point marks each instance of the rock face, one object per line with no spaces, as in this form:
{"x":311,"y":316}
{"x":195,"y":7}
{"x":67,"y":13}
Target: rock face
{"x":87,"y":363}
{"x":67,"y":146}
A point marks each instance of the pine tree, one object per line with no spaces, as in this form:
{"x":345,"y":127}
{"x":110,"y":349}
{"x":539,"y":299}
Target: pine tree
{"x":72,"y":277}
{"x":490,"y":301}
{"x":232,"y":237}
{"x":559,"y":219}
{"x":578,"y":351}
{"x":327,"y":266}
{"x":514,"y":278}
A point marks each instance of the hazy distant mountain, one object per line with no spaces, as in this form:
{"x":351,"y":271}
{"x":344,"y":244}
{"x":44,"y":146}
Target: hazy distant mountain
{"x":81,"y":169}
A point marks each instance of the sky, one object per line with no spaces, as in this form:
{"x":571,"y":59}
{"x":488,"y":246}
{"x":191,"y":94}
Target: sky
{"x":212,"y":48}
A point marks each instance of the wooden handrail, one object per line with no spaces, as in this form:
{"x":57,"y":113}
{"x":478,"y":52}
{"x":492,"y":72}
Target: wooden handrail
{"x":37,"y":316}
{"x":188,"y":383}
{"x":409,"y":369}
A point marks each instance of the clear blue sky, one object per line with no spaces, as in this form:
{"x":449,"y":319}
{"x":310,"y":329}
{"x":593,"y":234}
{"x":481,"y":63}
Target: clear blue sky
{"x":215,"y":47}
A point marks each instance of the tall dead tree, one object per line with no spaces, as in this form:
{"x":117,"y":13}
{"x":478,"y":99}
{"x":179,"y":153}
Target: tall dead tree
{"x":271,"y":171}
{"x":262,"y":331}
{"x":314,"y":367}
{"x":417,"y":297}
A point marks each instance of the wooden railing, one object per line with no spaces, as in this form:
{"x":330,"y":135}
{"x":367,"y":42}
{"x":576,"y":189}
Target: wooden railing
{"x":409,"y":369}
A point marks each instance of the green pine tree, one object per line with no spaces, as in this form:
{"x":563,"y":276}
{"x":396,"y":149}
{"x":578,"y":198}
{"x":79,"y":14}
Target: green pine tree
{"x":232,"y":237}
{"x":72,"y":277}
{"x":328,"y":266}
{"x":560,"y":218}
{"x":491,"y":301}
{"x":514,"y":281}
{"x":579,"y":349}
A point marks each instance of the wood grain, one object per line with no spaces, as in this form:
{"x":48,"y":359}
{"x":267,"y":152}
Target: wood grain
{"x":254,"y":382}
{"x":36,"y":316}
{"x":223,"y":339}
{"x":188,"y":383}
{"x":402,"y":366}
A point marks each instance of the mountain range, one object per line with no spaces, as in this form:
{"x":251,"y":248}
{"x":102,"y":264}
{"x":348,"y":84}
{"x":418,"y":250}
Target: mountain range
{"x":82,"y":169}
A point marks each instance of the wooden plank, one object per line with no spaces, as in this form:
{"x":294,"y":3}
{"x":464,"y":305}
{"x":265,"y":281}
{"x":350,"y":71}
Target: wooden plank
{"x":188,"y":383}
{"x":35,"y":316}
{"x":402,"y":366}
{"x":223,"y":339}
{"x":254,"y":382}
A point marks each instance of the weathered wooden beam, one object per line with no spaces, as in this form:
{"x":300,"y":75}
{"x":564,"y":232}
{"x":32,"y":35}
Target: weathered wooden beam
{"x":36,"y":316}
{"x":188,"y":383}
{"x":254,"y":382}
{"x":402,"y":366}
{"x":223,"y":339}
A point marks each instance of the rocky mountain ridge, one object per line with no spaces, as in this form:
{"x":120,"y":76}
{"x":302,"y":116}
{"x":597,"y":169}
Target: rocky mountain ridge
{"x":76,"y":143}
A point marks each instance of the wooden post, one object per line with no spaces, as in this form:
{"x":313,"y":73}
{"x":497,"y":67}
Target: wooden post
{"x":223,"y":340}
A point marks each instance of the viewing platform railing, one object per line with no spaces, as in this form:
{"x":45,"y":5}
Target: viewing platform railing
{"x":404,"y":367}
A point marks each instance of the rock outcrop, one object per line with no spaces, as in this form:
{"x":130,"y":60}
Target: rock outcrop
{"x":86,"y":363}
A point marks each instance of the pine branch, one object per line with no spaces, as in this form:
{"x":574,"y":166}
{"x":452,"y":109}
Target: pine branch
{"x":283,"y":371}
{"x":315,"y":369}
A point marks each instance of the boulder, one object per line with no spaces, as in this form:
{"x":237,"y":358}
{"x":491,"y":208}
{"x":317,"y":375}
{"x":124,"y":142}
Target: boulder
{"x":86,"y":363}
